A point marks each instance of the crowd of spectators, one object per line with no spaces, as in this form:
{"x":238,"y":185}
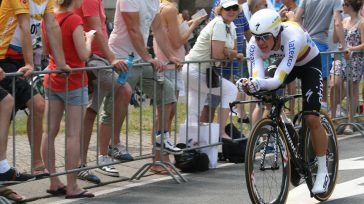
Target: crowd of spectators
{"x":75,"y":35}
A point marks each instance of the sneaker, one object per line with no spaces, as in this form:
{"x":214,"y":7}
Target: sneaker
{"x":348,"y":130}
{"x":87,"y":175}
{"x":107,"y":170}
{"x":119,"y":152}
{"x":321,"y":183}
{"x":12,"y":176}
{"x":167,"y":144}
{"x":340,"y":112}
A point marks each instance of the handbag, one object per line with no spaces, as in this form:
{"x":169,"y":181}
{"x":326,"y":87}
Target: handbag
{"x":212,"y":77}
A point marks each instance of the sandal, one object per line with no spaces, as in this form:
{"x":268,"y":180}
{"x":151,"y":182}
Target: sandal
{"x":40,"y":172}
{"x":158,"y":170}
{"x":60,"y":191}
{"x":10,"y":194}
{"x":83,"y":194}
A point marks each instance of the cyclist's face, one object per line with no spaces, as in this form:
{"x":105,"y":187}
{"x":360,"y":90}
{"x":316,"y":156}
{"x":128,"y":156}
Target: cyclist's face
{"x":265,"y":42}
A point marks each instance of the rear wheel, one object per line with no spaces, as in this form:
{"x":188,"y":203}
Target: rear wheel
{"x":267,"y":167}
{"x":332,"y":156}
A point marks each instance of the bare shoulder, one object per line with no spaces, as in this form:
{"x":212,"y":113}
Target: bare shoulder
{"x":169,"y":10}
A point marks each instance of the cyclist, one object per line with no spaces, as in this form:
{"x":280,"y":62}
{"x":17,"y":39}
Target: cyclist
{"x":300,"y":59}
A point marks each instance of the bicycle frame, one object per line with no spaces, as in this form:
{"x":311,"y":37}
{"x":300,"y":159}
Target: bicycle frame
{"x":280,"y":120}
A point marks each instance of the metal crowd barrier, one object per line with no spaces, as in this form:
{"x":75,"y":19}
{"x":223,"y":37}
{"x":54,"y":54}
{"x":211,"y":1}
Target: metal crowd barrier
{"x":181,"y":108}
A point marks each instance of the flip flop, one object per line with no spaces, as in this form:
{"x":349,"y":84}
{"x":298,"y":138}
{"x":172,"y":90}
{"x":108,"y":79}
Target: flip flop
{"x":60,"y":191}
{"x":83,"y":194}
{"x":10,"y":194}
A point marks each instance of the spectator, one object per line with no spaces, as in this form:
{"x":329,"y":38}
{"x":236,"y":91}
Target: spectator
{"x":216,"y":40}
{"x":252,"y":6}
{"x":316,"y":17}
{"x":178,"y":34}
{"x":235,"y":69}
{"x":131,"y":29}
{"x":6,"y":172}
{"x":352,"y":69}
{"x":66,"y":93}
{"x":16,"y":55}
{"x":93,"y":16}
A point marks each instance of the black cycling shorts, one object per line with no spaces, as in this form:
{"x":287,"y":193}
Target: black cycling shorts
{"x":312,"y":86}
{"x":22,"y":87}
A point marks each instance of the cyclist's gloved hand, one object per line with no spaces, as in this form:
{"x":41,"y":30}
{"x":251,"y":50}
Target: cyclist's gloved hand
{"x":241,"y":85}
{"x":253,"y":85}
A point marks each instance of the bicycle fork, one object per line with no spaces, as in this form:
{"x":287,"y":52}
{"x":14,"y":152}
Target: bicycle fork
{"x":271,"y":136}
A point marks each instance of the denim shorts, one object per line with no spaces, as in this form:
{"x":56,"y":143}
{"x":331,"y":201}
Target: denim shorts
{"x":77,"y":97}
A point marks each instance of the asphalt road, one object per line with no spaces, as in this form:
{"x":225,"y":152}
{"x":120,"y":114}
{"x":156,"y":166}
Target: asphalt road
{"x":227,"y":185}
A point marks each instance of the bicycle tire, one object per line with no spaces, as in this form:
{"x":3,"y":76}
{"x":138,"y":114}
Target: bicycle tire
{"x":256,"y":177}
{"x":332,"y":156}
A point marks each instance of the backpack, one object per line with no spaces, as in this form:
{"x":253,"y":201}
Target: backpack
{"x":191,"y":160}
{"x":233,"y":151}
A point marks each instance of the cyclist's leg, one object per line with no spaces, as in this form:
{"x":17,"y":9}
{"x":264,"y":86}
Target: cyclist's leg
{"x":312,"y":86}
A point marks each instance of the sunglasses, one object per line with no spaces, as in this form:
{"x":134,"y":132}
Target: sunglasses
{"x":345,"y":4}
{"x":263,"y":37}
{"x":234,"y":8}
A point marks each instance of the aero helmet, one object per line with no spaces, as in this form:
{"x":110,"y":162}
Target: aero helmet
{"x":265,"y":21}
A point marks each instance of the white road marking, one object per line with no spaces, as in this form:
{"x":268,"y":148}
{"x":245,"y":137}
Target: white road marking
{"x":352,"y":163}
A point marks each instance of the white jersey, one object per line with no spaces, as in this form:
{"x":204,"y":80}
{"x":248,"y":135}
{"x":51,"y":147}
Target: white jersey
{"x":297,"y":49}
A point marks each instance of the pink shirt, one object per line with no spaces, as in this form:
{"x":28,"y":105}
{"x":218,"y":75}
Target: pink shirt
{"x":362,"y":11}
{"x":91,"y":8}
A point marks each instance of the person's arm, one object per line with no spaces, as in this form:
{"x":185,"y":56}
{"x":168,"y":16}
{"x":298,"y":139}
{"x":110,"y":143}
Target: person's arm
{"x":218,"y":49}
{"x":160,"y":35}
{"x":169,"y":14}
{"x":26,"y":44}
{"x":339,"y":36}
{"x":247,"y":35}
{"x":94,"y":23}
{"x":298,"y":15}
{"x":55,"y":41}
{"x":2,"y":74}
{"x":252,"y":84}
{"x":83,"y":47}
{"x":132,"y":25}
{"x":131,"y":20}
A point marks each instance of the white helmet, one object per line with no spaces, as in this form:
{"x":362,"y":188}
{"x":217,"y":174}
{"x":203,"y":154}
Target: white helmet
{"x":265,"y":21}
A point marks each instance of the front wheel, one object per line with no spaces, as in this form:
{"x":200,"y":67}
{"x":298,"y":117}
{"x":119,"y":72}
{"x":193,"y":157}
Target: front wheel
{"x":332,"y":156}
{"x":267,"y":168}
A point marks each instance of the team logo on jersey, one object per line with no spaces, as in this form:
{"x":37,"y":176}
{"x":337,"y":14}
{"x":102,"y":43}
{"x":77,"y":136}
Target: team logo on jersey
{"x":291,"y":50}
{"x":308,"y":95}
{"x":23,"y":1}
